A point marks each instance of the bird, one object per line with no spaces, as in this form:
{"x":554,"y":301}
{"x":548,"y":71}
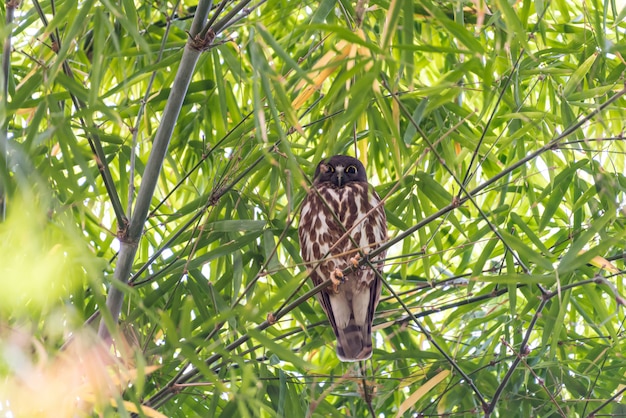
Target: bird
{"x":341,"y":220}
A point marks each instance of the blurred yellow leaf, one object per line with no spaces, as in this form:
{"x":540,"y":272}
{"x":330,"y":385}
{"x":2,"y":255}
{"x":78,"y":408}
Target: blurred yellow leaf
{"x":421,"y":391}
{"x":327,"y":65}
{"x":602,"y":263}
{"x":41,"y":258}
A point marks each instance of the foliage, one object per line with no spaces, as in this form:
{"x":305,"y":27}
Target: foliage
{"x":493,"y":130}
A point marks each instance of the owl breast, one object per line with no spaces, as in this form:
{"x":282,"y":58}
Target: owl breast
{"x":337,"y":222}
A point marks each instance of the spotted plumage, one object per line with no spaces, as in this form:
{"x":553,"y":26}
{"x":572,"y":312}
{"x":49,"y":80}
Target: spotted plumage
{"x":342,"y":218}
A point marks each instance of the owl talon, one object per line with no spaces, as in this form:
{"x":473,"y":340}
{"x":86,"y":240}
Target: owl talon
{"x":336,"y":277}
{"x":355,"y":261}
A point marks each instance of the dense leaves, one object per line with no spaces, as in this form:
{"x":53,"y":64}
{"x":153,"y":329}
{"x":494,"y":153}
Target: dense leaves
{"x":494,"y":132}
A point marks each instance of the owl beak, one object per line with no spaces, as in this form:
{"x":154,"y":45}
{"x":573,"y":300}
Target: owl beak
{"x":339,"y":177}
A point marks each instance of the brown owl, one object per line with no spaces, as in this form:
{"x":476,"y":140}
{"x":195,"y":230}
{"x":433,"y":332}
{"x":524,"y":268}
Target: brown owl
{"x":341,"y":217}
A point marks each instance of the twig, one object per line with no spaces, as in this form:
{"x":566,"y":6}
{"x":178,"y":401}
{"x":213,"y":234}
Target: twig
{"x":225,"y":21}
{"x":617,"y":394}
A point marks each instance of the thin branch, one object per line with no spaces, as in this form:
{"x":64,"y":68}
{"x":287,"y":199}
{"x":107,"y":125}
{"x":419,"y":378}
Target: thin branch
{"x":469,"y":174}
{"x":617,"y":394}
{"x":167,"y":244}
{"x":367,"y":391}
{"x":455,"y":305}
{"x":216,"y":13}
{"x":199,"y":163}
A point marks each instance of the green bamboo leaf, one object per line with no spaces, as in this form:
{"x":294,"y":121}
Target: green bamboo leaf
{"x":283,"y":353}
{"x":600,"y":312}
{"x":515,"y":279}
{"x":408,"y":36}
{"x":235,"y":225}
{"x":554,"y":318}
{"x":130,"y":11}
{"x":525,"y":252}
{"x":417,"y":116}
{"x":199,"y":290}
{"x":485,"y":255}
{"x":621,"y":16}
{"x":516,"y":32}
{"x":341,"y":32}
{"x":75,"y":16}
{"x":576,"y":385}
{"x":456,"y":29}
{"x":598,"y":20}
{"x":592,"y":93}
{"x":231,"y":246}
{"x":527,"y":116}
{"x":25,"y":91}
{"x":130,"y":26}
{"x":392,"y":17}
{"x":290,"y":62}
{"x":574,"y":258}
{"x":323,"y":9}
{"x":98,"y":69}
{"x":557,"y":192}
{"x":435,"y":192}
{"x":273,"y":264}
{"x":517,"y":220}
{"x":576,"y":79}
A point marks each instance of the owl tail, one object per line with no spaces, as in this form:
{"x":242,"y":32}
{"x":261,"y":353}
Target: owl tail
{"x":354,"y":342}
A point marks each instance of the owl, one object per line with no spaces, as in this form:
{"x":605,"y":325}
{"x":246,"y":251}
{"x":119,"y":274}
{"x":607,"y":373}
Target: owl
{"x":341,"y":218}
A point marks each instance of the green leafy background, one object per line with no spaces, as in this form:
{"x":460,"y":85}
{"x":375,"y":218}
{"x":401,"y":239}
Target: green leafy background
{"x":493,"y":130}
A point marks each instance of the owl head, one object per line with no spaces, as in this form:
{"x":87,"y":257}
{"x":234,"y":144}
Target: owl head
{"x":339,"y":170}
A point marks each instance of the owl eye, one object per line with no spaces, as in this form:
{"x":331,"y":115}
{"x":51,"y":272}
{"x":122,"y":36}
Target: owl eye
{"x":351,"y":169}
{"x":331,"y":169}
